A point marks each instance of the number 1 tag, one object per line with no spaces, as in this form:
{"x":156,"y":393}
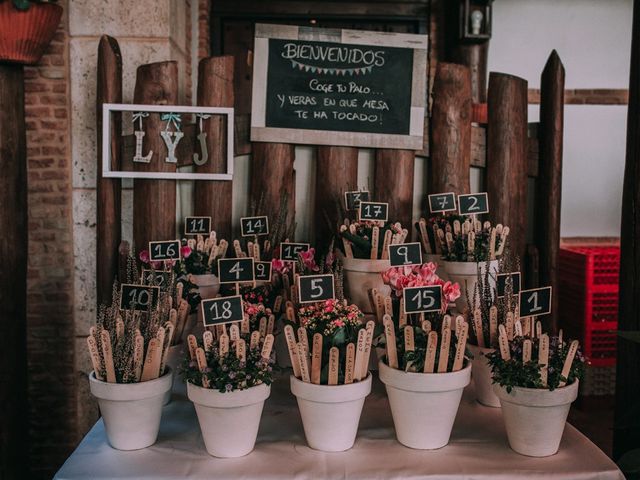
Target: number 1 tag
{"x":216,"y":311}
{"x":316,"y":288}
{"x":473,"y":204}
{"x":422,"y":299}
{"x":405,"y":254}
{"x":536,"y":301}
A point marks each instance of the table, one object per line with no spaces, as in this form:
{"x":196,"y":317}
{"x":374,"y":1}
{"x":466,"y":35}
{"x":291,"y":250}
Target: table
{"x":478,"y":449}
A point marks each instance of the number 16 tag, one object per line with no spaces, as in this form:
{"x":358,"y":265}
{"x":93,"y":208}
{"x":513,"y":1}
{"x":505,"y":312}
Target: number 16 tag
{"x":316,"y":288}
{"x":216,"y":311}
{"x":422,"y":299}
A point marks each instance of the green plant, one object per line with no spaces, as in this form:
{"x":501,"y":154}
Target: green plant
{"x":26,"y":4}
{"x":358,"y":238}
{"x":461,"y":239}
{"x":517,"y":373}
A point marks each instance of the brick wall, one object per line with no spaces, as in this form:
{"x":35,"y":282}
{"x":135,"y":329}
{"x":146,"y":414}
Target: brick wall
{"x":50,"y":329}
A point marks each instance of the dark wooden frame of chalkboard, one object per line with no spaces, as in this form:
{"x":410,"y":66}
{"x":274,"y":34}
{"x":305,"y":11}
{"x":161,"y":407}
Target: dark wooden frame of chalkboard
{"x":261,"y":132}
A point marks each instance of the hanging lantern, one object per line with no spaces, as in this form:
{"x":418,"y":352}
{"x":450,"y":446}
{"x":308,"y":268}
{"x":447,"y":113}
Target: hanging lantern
{"x":475,"y":20}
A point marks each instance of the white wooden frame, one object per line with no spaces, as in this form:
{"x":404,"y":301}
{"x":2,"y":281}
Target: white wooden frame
{"x":261,"y":133}
{"x":107,"y":172}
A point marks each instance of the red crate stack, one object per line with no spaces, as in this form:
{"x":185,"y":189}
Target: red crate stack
{"x":589,"y":299}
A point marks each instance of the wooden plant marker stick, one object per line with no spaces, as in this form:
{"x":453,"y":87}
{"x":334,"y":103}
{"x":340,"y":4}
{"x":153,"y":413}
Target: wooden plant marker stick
{"x":390,"y":334}
{"x":348,"y":251}
{"x":518,"y":329}
{"x":526,"y":351}
{"x":316,"y":358}
{"x":138,"y":356}
{"x":445,"y":342}
{"x":334,"y":365}
{"x":566,"y":367}
{"x":151,"y":367}
{"x":388,"y":306}
{"x":207,"y":339}
{"x":291,"y":314}
{"x":538,"y":328}
{"x":426,"y":326}
{"x":304,"y":366}
{"x":294,"y":292}
{"x":379,"y":307}
{"x":202,"y":366}
{"x":477,"y":327}
{"x":424,"y":238}
{"x":119,"y":327}
{"x":290,"y":337}
{"x":349,"y":365}
{"x":360,"y":353}
{"x":302,"y":337}
{"x":107,"y":355}
{"x":385,"y":245}
{"x":509,"y":326}
{"x":160,"y":335}
{"x":402,"y":316}
{"x":241,"y":350}
{"x":373,"y":295}
{"x":560,"y":342}
{"x":493,"y":325}
{"x":430,"y":355}
{"x":375,"y":237}
{"x":234,"y":333}
{"x":460,"y":347}
{"x":286,"y":284}
{"x":492,"y":245}
{"x":371,"y":325}
{"x":267,"y":346}
{"x":277,"y":304}
{"x":224,"y":346}
{"x":245,"y":325}
{"x":543,"y":358}
{"x":271,"y":324}
{"x":409,"y":341}
{"x":446,"y":323}
{"x":254,"y":341}
{"x":262,"y":327}
{"x":95,"y":356}
{"x":458,"y":322}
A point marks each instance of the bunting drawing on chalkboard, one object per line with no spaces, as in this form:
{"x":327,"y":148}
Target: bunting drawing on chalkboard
{"x":331,"y":71}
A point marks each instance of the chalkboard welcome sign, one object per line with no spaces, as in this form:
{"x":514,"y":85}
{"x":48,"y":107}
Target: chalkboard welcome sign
{"x":338,"y":87}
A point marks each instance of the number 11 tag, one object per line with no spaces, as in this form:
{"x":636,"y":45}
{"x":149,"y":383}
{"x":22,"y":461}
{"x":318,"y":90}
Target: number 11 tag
{"x":316,"y":288}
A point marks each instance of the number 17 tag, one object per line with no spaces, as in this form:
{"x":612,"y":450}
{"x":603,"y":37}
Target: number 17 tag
{"x":216,"y":311}
{"x":422,"y":299}
{"x":316,"y":288}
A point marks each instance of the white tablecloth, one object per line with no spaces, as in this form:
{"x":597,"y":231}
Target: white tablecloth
{"x":478,"y":449}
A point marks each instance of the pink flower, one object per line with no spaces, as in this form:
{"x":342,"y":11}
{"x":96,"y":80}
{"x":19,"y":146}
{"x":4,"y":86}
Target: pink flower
{"x":338,"y":323}
{"x":144,"y":256}
{"x":308,"y":259}
{"x":279,"y":266}
{"x":185,"y":251}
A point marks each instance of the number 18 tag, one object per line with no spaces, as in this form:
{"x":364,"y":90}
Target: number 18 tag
{"x":216,"y":311}
{"x":422,"y":299}
{"x":316,"y":288}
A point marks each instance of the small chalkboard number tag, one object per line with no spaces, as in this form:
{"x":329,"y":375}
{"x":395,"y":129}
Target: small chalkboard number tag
{"x":165,"y":250}
{"x":138,"y":297}
{"x":254,"y":226}
{"x":422,"y":299}
{"x":405,"y":254}
{"x":316,"y":288}
{"x":501,"y":283}
{"x":158,"y":278}
{"x":216,"y":311}
{"x":236,"y":270}
{"x":473,"y":204}
{"x":289,"y":251}
{"x":536,"y":301}
{"x":262,"y":271}
{"x":373,"y":211}
{"x":442,"y":202}
{"x":352,"y":199}
{"x":197,"y":225}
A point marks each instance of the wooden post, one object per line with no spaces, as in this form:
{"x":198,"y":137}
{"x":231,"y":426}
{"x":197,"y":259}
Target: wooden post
{"x":506,"y":173}
{"x":272,"y":175}
{"x":393,"y":180}
{"x":451,"y":130}
{"x":336,"y":173}
{"x":627,"y":432}
{"x":109,"y":90}
{"x":13,"y":281}
{"x":214,"y":198}
{"x":474,"y":56}
{"x":154,"y":201}
{"x":549,"y":181}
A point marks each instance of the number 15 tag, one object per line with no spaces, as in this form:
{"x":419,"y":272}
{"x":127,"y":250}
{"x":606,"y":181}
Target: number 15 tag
{"x":422,"y":299}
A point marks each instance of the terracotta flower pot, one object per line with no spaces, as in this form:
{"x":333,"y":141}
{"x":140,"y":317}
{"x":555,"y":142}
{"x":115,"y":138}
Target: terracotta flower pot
{"x":482,"y":376}
{"x":360,"y":276}
{"x":27,"y":33}
{"x":466,"y":275}
{"x":208,"y":285}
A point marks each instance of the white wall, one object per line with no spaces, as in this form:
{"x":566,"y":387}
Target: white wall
{"x":593,"y":39}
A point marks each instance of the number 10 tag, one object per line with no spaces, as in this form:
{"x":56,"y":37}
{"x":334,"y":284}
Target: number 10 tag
{"x":216,"y":311}
{"x":316,"y":288}
{"x":422,"y":299}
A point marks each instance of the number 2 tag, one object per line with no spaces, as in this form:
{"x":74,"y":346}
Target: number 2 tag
{"x":473,"y":204}
{"x":316,"y":288}
{"x":422,"y":299}
{"x":216,"y":311}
